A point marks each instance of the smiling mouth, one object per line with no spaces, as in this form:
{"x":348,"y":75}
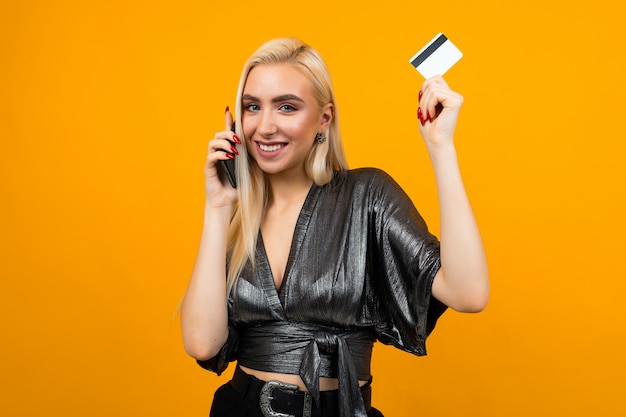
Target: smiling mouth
{"x":271,"y":148}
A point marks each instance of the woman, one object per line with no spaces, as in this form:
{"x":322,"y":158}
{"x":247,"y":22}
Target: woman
{"x":305,"y":264}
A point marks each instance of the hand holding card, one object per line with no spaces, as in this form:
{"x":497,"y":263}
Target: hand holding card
{"x":437,"y":57}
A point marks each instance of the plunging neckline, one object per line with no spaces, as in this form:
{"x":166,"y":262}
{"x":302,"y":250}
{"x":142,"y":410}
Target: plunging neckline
{"x":299,"y":233}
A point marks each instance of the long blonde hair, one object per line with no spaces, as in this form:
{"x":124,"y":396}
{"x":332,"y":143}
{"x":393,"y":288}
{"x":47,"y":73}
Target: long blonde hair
{"x":323,"y":159}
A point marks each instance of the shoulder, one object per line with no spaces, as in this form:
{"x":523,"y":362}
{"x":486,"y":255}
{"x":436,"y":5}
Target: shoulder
{"x":372,"y":186}
{"x":365,"y":177}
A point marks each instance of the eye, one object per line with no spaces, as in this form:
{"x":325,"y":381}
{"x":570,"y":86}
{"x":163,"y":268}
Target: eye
{"x":252,"y":107}
{"x":287,"y":108}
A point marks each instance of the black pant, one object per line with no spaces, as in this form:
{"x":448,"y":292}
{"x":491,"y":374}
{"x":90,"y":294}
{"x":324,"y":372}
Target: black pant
{"x":228,"y":403}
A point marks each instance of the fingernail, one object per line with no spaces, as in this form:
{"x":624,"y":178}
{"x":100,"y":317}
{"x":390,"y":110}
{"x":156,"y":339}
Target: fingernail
{"x":420,"y":95}
{"x":236,"y":139}
{"x":227,"y":108}
{"x":234,"y":150}
{"x":428,"y":116}
{"x":230,"y":155}
{"x":419,"y":113}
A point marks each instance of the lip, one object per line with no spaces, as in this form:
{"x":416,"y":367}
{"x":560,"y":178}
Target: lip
{"x":270,"y":149}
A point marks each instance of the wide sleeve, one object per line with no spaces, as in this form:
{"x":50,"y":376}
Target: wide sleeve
{"x":227,"y":354}
{"x":405,"y":258}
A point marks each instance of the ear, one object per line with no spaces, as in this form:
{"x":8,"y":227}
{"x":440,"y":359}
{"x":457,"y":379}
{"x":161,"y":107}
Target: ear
{"x":328,"y":113}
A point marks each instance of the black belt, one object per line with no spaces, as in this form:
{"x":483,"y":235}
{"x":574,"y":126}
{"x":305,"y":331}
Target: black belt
{"x":278,"y":399}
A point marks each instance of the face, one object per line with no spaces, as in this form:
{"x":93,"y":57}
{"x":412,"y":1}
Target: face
{"x":280,"y":118}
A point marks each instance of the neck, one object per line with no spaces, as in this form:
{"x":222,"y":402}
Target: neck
{"x":285,"y":191}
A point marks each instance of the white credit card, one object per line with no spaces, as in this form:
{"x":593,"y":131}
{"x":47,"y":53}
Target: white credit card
{"x":437,"y":57}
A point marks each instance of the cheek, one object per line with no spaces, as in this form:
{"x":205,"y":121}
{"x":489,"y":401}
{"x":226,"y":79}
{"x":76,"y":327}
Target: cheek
{"x":248,"y":128}
{"x":298,"y":127}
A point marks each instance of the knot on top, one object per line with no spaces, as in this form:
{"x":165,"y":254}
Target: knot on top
{"x":326,"y":341}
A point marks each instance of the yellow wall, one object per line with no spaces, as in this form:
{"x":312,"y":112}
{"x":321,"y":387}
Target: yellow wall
{"x":106,"y":108}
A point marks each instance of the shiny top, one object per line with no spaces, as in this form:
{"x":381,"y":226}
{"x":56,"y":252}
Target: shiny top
{"x":360,"y":269}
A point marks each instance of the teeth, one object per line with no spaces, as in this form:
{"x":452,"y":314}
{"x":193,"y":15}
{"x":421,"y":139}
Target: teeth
{"x":271,"y":148}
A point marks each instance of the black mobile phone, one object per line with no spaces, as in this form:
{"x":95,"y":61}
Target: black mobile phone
{"x":229,"y":166}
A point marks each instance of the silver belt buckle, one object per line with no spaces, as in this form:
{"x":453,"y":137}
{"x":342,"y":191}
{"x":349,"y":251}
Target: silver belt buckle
{"x":265,"y":399}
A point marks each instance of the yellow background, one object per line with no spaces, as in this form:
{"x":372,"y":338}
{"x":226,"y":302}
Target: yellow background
{"x":106,"y":108}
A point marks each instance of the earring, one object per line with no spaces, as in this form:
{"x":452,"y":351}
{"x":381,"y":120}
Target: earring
{"x":320,"y":137}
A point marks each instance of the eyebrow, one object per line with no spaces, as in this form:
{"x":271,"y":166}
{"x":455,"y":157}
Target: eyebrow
{"x":284,"y":97}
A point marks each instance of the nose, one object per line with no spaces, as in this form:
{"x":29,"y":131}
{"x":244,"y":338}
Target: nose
{"x":267,"y":123}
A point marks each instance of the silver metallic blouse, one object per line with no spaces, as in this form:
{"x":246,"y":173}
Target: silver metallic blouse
{"x":360,"y":269}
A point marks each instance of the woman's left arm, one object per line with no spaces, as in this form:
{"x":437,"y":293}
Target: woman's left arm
{"x":462,"y":283}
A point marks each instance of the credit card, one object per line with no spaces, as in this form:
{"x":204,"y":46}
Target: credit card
{"x":437,"y":57}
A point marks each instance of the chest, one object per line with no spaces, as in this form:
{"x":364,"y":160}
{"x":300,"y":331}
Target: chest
{"x":316,"y":271}
{"x":277,"y":230}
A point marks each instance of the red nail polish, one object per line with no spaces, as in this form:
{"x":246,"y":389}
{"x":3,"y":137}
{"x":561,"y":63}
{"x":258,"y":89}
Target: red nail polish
{"x":236,"y":139}
{"x":230,"y":155}
{"x":227,"y":108}
{"x":421,"y":116}
{"x":234,"y":150}
{"x":420,"y":95}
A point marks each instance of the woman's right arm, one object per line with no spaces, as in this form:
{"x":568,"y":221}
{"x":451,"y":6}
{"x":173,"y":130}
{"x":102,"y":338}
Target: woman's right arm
{"x":204,"y":312}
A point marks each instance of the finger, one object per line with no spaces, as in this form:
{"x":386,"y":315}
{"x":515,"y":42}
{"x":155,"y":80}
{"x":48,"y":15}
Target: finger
{"x":437,"y":95}
{"x":222,"y":148}
{"x":426,"y":99}
{"x":229,"y":118}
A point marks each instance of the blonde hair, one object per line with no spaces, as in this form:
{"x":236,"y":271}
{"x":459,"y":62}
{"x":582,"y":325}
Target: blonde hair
{"x":323,"y":159}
